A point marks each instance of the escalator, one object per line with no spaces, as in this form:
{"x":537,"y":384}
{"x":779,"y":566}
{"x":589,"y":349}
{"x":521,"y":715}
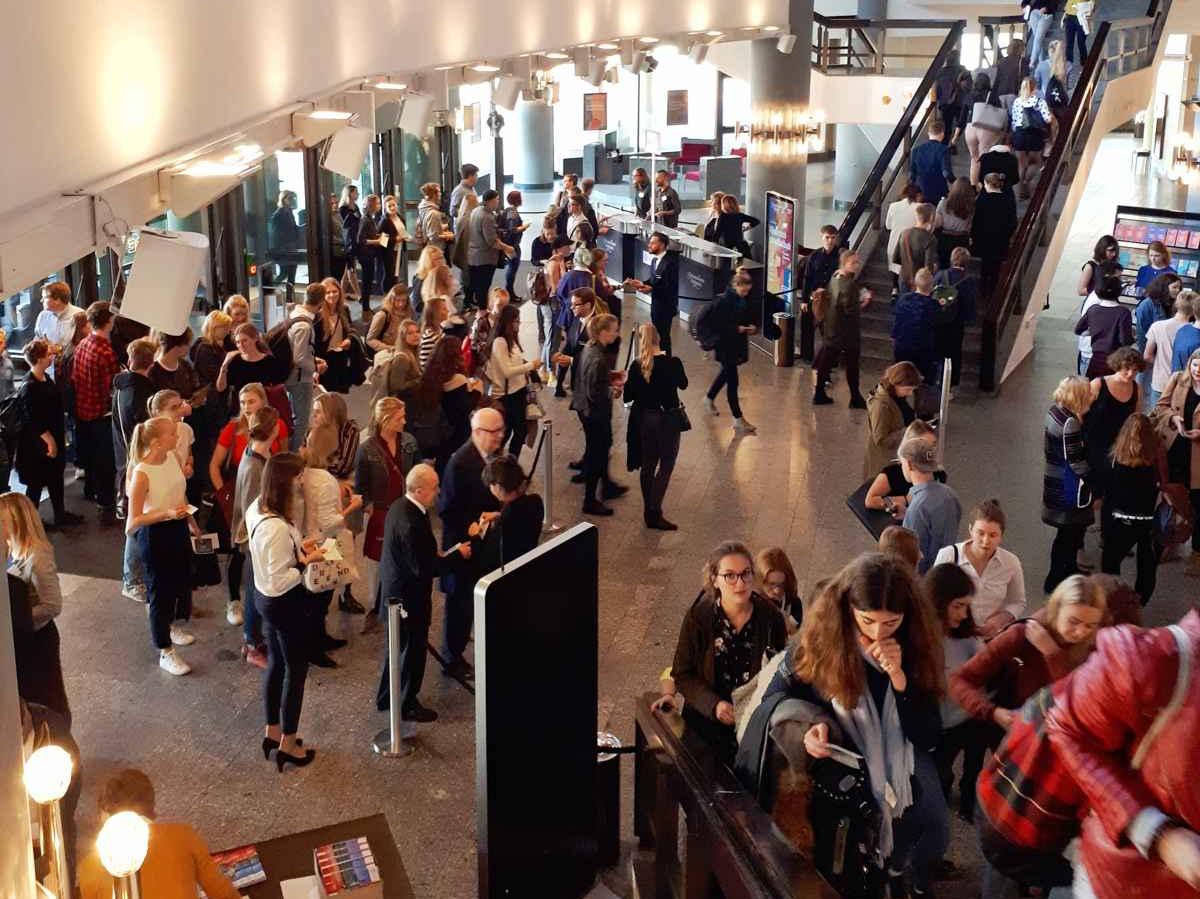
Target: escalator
{"x":1114,"y":83}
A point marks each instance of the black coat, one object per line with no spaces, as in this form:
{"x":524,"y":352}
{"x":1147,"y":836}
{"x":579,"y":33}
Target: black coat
{"x":593,"y":395}
{"x":409,"y":561}
{"x":993,"y":226}
{"x":463,"y":498}
{"x":730,"y":312}
{"x":41,"y":411}
{"x":131,"y":394}
{"x":351,"y":217}
{"x":664,"y":287}
{"x":516,"y":533}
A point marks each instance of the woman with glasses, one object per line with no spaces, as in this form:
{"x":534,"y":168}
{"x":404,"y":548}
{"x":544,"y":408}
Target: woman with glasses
{"x":724,"y":636}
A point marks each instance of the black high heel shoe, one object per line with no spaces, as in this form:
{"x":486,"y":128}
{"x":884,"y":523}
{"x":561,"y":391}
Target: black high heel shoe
{"x":282,"y":758}
{"x":269,"y":746}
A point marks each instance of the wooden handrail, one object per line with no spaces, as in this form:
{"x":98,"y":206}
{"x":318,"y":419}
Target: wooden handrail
{"x":866,"y":194}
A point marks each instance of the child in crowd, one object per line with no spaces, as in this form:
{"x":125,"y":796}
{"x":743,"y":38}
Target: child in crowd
{"x":914,"y":327}
{"x":900,"y":543}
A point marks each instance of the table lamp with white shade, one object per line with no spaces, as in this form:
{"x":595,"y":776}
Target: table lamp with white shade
{"x":122,"y":845}
{"x":47,"y":778}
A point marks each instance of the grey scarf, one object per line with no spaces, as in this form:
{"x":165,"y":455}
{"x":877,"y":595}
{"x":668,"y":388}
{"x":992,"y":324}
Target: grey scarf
{"x":887,"y":754}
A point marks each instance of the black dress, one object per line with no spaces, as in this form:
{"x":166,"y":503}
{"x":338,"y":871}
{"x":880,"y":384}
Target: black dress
{"x":339,"y":373}
{"x":1100,"y":428}
{"x":42,"y":411}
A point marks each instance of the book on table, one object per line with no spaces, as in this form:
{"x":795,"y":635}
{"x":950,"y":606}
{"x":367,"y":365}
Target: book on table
{"x":347,"y":868}
{"x":241,"y":865}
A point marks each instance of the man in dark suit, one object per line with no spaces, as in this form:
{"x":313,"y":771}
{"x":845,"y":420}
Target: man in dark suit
{"x":583,"y":305}
{"x":409,"y":563}
{"x":463,"y":499}
{"x":663,"y":288}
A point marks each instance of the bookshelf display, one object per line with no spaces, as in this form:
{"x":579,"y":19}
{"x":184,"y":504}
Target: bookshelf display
{"x":1137,"y":226}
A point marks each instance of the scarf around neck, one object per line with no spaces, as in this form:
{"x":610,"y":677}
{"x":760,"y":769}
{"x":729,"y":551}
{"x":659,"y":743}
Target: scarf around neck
{"x":887,"y":753}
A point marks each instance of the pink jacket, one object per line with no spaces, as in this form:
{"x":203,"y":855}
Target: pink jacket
{"x":1107,"y":709}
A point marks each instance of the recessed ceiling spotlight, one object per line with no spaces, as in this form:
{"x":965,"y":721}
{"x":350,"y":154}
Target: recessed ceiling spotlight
{"x":329,"y":114}
{"x":608,"y":45}
{"x":484,"y":67}
{"x":714,"y":33}
{"x":444,"y":68}
{"x":648,"y":40}
{"x":556,"y":54}
{"x":770,"y":28}
{"x":390,"y":86}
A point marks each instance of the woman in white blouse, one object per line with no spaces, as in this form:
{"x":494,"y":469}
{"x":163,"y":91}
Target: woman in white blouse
{"x":999,"y":580}
{"x":508,"y":373}
{"x":39,"y":669}
{"x":279,"y":554}
{"x":324,"y":516}
{"x":901,"y":216}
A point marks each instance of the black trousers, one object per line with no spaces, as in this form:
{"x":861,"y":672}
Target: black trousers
{"x":515,"y":424}
{"x":660,"y":448}
{"x":808,"y":335}
{"x":287,"y":631}
{"x":47,"y":475}
{"x":663,"y":323}
{"x":1120,"y":536}
{"x":950,"y":115}
{"x":460,"y":615}
{"x":949,"y":339}
{"x":1068,"y":540}
{"x":597,"y":435}
{"x":830,"y":355}
{"x":479,"y":281}
{"x":234,"y":573}
{"x":414,"y":637}
{"x":101,"y":472}
{"x":39,"y":668}
{"x":727,"y":378}
{"x":166,"y":553}
{"x":971,"y":739}
{"x":318,"y":608}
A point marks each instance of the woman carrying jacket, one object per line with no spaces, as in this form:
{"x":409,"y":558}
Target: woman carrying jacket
{"x":1066,"y":493}
{"x":870,"y":654}
{"x":731,"y":320}
{"x":1177,"y":419}
{"x":1125,"y":729}
{"x":722,"y":642}
{"x":888,"y":414}
{"x":653,"y":388}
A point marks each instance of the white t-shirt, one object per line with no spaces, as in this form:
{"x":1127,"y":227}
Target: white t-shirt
{"x":1085,"y":340}
{"x":1161,"y":335}
{"x":167,"y":487}
{"x":183,"y":442}
{"x":1001,"y":587}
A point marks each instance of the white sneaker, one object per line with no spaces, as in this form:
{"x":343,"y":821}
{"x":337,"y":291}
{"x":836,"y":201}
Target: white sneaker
{"x":181,"y":637}
{"x":137,"y":593}
{"x":169,"y":662}
{"x":233,"y":612}
{"x":710,"y":406}
{"x":741,"y":426}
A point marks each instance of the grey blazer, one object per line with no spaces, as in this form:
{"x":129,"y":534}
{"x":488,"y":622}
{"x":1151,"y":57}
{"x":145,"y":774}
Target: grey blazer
{"x":481,"y":237}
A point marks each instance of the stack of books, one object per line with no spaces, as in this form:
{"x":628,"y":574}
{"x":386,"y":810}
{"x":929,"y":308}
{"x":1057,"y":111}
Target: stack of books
{"x":241,"y":865}
{"x":347,"y":869}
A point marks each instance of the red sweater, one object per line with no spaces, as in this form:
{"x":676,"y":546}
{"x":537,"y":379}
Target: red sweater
{"x":1006,"y":672}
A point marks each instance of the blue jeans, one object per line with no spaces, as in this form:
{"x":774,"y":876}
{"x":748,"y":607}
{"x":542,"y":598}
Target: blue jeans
{"x":1074,"y":34}
{"x":300,"y":393}
{"x":1039,"y":27}
{"x":252,"y":632}
{"x":923,"y":832}
{"x":132,"y":572}
{"x":510,"y":275}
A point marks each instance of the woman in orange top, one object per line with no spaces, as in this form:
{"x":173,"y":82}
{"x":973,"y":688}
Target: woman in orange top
{"x":177,"y":859}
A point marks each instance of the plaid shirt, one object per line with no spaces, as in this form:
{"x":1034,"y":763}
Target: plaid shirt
{"x":93,"y":371}
{"x":1025,"y":790}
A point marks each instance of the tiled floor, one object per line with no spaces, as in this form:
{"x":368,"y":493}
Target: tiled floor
{"x":198,"y":736}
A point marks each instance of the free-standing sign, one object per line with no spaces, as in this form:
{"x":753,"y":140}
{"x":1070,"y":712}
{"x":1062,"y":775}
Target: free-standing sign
{"x":595,"y":112}
{"x":677,"y":107}
{"x":780,"y":252}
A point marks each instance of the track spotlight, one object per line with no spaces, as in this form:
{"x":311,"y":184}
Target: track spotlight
{"x":786,"y":43}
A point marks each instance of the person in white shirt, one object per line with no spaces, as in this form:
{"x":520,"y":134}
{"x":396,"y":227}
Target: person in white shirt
{"x":508,"y":373}
{"x":999,"y":580}
{"x":56,"y":321}
{"x":170,"y":404}
{"x":1160,"y":342}
{"x":901,"y":216}
{"x":278,"y":555}
{"x":158,"y":515}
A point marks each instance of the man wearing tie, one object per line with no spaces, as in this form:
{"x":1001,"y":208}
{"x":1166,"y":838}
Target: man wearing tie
{"x":407,"y":567}
{"x":663,"y":288}
{"x":463,"y":500}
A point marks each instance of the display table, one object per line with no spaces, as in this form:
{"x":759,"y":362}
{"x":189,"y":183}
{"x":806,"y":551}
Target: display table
{"x":1136,"y":226}
{"x":291,"y":856}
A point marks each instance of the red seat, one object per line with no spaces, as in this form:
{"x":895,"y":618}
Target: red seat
{"x":690,"y":153}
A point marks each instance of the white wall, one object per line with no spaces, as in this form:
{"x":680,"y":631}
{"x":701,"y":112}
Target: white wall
{"x":91,"y":89}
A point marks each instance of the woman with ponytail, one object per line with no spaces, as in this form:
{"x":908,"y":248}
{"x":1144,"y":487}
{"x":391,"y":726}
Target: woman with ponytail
{"x":657,"y":420}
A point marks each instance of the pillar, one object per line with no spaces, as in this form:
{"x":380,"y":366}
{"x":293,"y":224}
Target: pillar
{"x":532,"y":162}
{"x":16,"y":852}
{"x":779,"y":82}
{"x":855,"y":153}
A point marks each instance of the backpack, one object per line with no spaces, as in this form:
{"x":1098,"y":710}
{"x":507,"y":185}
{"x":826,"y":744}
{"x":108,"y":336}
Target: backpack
{"x":280,"y":344}
{"x":946,"y":295}
{"x":377,"y":374}
{"x":703,"y":328}
{"x":847,"y":833}
{"x":1056,"y":94}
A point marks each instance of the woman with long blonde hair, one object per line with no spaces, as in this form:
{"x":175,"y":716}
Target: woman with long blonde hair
{"x":431,"y":257}
{"x":385,"y":324}
{"x":441,"y":283}
{"x":31,"y":560}
{"x":332,"y":332}
{"x":656,"y":421}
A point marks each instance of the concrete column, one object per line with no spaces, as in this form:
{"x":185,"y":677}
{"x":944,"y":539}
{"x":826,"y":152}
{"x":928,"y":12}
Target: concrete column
{"x":779,"y":82}
{"x":16,"y":852}
{"x":1187,"y":122}
{"x":532,"y":145}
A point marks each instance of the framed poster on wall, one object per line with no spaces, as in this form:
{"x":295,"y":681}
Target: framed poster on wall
{"x":780,"y":254}
{"x":677,"y":108}
{"x":595,"y":112}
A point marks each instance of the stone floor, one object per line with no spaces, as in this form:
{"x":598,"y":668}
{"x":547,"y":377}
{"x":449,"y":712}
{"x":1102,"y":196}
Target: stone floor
{"x":198,"y":736}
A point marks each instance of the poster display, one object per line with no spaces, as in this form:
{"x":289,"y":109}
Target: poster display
{"x":595,"y":112}
{"x":677,"y":108}
{"x":781,"y":244}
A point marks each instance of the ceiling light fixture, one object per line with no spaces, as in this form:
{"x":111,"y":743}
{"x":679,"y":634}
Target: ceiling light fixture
{"x":770,"y":28}
{"x":556,"y":54}
{"x":608,"y":45}
{"x":713,"y":33}
{"x":390,"y":86}
{"x":648,"y":40}
{"x":485,"y":67}
{"x":330,"y":114}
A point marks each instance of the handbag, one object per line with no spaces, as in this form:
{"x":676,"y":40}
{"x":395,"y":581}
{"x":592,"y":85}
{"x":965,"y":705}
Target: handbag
{"x":536,"y":288}
{"x":679,"y":417}
{"x":322,"y":576}
{"x":349,"y":284}
{"x":846,"y":830}
{"x":989,"y":117}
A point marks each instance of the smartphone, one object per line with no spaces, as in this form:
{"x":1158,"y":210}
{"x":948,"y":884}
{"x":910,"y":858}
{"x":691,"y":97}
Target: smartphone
{"x":843,"y":755}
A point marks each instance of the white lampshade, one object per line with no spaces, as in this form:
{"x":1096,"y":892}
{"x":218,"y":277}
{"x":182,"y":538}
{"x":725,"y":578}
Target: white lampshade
{"x":122,"y":843}
{"x":48,"y":774}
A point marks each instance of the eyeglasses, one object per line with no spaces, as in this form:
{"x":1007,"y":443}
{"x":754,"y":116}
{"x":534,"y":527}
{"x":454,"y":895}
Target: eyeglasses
{"x":732,"y":577}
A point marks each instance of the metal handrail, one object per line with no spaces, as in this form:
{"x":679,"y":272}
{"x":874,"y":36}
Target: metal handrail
{"x":901,"y":135}
{"x":1006,"y":300}
{"x":860,"y":53}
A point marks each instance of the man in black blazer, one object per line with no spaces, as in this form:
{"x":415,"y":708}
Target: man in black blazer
{"x":407,"y":567}
{"x":663,"y":288}
{"x":464,"y":498}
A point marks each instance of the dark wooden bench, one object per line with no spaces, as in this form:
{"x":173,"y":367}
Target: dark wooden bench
{"x":731,"y":847}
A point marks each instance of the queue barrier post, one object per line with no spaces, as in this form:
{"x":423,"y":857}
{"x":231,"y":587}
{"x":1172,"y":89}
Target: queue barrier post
{"x":548,"y":523}
{"x":944,"y":411}
{"x":389,"y":742}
